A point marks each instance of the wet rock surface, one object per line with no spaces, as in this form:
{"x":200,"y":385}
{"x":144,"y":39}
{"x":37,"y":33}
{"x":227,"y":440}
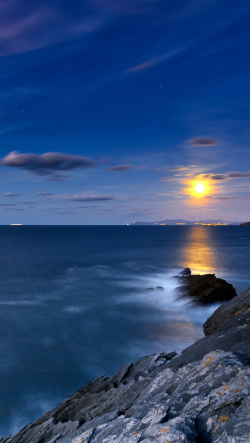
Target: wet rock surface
{"x":199,"y":396}
{"x":204,"y":289}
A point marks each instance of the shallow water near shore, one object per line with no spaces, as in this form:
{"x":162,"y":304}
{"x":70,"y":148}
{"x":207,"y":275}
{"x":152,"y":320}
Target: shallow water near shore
{"x":79,"y":302}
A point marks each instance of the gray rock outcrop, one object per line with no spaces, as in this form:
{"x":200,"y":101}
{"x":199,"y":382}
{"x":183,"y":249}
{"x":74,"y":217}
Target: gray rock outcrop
{"x":236,"y":308}
{"x":200,"y":396}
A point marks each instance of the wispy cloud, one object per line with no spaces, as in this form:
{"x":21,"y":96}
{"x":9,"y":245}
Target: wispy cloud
{"x":36,"y":26}
{"x":203,"y":141}
{"x":239,"y":174}
{"x":225,"y":197}
{"x":168,"y":179}
{"x":216,"y":176}
{"x":87,"y":207}
{"x":227,"y":176}
{"x":11,"y":194}
{"x":43,"y":193}
{"x":88,"y":197}
{"x":168,"y":56}
{"x":57,"y":177}
{"x":47,"y":163}
{"x":230,"y":197}
{"x":177,"y":168}
{"x":145,"y":65}
{"x":120,"y":168}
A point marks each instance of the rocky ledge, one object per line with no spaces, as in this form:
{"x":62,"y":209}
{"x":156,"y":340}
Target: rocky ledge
{"x":201,"y":395}
{"x":204,"y":289}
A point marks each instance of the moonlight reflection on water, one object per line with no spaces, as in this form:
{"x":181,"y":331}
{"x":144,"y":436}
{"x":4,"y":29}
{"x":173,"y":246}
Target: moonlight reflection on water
{"x":198,"y":251}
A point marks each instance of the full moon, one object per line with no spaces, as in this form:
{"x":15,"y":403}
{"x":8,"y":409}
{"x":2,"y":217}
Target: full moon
{"x":199,"y":188}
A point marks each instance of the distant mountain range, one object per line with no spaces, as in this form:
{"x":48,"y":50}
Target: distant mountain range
{"x":180,"y":221}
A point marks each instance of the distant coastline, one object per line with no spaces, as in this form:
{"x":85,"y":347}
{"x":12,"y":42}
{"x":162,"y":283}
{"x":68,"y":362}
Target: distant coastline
{"x":181,"y":222}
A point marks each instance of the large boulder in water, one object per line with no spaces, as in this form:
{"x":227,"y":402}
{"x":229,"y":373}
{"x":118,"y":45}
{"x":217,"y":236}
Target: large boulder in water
{"x":206,"y":288}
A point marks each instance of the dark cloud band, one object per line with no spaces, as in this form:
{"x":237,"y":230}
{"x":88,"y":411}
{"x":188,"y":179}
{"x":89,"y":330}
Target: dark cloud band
{"x":120,"y":168}
{"x":91,"y":198}
{"x":47,"y":163}
{"x":227,"y":176}
{"x":203,"y":141}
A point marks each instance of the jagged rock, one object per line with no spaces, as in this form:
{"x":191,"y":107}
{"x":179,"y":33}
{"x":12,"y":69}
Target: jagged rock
{"x":200,"y":396}
{"x":185,"y":272}
{"x":246,"y":224}
{"x":234,"y":308}
{"x":206,"y":288}
{"x":207,"y":400}
{"x":234,"y":339}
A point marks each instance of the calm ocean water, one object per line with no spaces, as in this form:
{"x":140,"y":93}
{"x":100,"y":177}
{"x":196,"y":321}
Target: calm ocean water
{"x":74,"y":303}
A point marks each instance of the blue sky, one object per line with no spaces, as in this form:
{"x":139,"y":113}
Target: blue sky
{"x":111,"y":112}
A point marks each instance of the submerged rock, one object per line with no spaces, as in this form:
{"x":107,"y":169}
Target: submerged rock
{"x":151,"y":288}
{"x":206,"y":288}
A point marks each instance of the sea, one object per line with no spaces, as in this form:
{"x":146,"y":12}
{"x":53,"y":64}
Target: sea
{"x":77,"y":302}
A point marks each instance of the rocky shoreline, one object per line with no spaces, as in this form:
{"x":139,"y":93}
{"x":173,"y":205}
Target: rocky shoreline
{"x":201,"y":395}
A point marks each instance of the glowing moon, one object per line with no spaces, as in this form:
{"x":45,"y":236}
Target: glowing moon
{"x":200,"y":188}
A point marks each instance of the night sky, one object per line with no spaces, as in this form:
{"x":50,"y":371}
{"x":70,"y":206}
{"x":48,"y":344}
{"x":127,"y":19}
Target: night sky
{"x":114,"y":111}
